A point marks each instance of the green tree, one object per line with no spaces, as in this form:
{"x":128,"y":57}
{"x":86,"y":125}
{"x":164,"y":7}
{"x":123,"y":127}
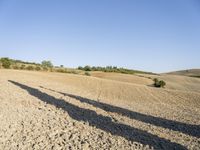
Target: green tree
{"x":80,"y":68}
{"x":87,"y":68}
{"x":47,"y":63}
{"x":6,"y":62}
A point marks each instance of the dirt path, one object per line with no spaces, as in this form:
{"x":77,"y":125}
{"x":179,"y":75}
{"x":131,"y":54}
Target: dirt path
{"x":58,"y":111}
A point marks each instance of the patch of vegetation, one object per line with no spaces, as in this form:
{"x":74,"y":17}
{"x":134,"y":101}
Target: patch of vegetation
{"x":45,"y":68}
{"x":16,"y":67}
{"x":87,"y":73}
{"x":64,"y":70}
{"x":23,"y":62}
{"x":47,"y":63}
{"x":159,"y":83}
{"x":61,"y":70}
{"x":37,"y":68}
{"x":112,"y":69}
{"x":29,"y":68}
{"x":87,"y":68}
{"x":195,"y":76}
{"x":6,"y":63}
{"x":22,"y":67}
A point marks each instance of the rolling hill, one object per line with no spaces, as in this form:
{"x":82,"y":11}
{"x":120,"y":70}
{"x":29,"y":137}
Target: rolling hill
{"x":188,"y":72}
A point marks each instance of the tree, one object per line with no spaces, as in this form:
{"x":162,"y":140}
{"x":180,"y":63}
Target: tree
{"x":80,"y":68}
{"x":87,"y":68}
{"x":6,"y":62}
{"x":47,"y":63}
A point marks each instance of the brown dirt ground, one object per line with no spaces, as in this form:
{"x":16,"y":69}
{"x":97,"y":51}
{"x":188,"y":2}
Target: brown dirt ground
{"x":41,"y":110}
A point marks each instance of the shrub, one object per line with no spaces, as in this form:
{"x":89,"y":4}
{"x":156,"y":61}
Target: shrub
{"x":45,"y":68}
{"x":30,"y":68}
{"x":16,"y":67}
{"x":162,"y":83}
{"x":61,"y":70}
{"x":22,"y":67}
{"x":37,"y":68}
{"x":74,"y":72}
{"x":195,"y":76}
{"x":87,"y":73}
{"x":159,"y":83}
{"x":6,"y":62}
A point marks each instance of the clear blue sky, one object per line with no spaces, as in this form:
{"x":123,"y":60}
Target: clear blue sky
{"x":150,"y":35}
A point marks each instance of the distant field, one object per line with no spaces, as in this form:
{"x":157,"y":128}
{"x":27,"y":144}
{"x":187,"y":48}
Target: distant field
{"x":134,"y":79}
{"x":101,"y":111}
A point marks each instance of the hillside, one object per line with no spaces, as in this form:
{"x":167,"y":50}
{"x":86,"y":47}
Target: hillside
{"x":57,"y":110}
{"x":46,"y":65}
{"x":189,"y":72}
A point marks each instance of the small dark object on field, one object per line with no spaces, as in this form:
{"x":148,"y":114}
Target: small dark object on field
{"x":159,"y":83}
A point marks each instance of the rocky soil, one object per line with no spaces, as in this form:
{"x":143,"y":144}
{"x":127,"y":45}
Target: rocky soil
{"x":58,"y":111}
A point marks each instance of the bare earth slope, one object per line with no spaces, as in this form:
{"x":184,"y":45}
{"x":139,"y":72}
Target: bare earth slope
{"x":62,"y":111}
{"x":189,"y":72}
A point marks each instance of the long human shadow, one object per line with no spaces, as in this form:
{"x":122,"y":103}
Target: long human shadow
{"x":103,"y":122}
{"x":193,"y":130}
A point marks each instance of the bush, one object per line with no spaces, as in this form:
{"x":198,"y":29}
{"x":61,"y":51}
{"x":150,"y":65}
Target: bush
{"x":37,"y":68}
{"x":45,"y":68}
{"x":30,"y":68}
{"x":16,"y":67}
{"x":159,"y":83}
{"x":74,"y":72}
{"x":22,"y":67}
{"x":162,"y":83}
{"x":61,"y":70}
{"x":87,"y":73}
{"x":6,"y":62}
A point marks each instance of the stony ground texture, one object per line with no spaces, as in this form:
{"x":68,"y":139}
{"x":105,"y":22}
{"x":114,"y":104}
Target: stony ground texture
{"x":62,"y":111}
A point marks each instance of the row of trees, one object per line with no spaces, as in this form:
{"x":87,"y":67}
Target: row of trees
{"x":109,"y":69}
{"x":47,"y":65}
{"x":7,"y":63}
